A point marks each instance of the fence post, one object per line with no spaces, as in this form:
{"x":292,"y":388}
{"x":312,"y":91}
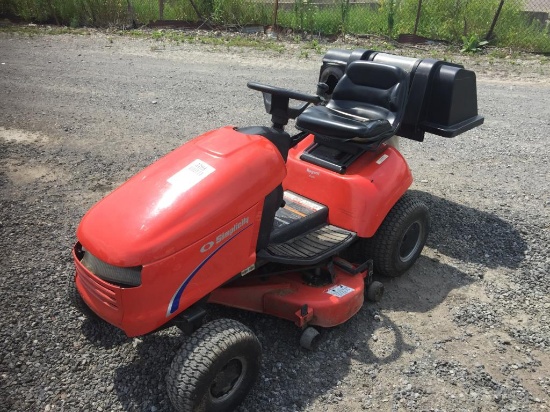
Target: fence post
{"x":131,"y":14}
{"x":275,"y":11}
{"x":417,"y":16}
{"x":490,"y":34}
{"x":345,"y":15}
{"x":161,"y":9}
{"x":391,"y":19}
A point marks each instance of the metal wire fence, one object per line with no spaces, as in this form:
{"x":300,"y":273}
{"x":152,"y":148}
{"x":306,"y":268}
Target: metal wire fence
{"x":521,"y":23}
{"x":518,"y":23}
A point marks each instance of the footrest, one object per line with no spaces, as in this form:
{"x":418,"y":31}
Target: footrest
{"x":310,"y":248}
{"x":299,"y":215}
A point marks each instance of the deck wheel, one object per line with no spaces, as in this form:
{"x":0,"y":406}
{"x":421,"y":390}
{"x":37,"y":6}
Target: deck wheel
{"x":375,"y":291}
{"x":310,"y":338}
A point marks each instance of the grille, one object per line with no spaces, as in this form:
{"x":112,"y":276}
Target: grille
{"x":101,"y":291}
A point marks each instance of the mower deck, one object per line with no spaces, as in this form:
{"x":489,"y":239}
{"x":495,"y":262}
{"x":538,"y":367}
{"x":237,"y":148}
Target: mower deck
{"x":293,"y":296}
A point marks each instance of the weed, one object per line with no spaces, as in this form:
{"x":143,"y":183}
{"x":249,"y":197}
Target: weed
{"x":498,"y":53}
{"x":472,"y":44}
{"x":314,"y":45}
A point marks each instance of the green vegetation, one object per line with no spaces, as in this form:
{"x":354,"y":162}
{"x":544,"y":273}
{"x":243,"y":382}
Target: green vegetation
{"x":472,"y":44}
{"x":463,"y":22}
{"x":229,"y":41}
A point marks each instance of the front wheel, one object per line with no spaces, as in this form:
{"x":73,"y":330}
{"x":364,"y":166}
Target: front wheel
{"x":215,"y":369}
{"x":399,"y":240}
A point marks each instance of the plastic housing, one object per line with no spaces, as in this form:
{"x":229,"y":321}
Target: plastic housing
{"x":442,"y":96}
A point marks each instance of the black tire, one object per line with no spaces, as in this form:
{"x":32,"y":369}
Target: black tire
{"x":399,"y":240}
{"x":215,"y":369}
{"x":77,"y":302}
{"x":331,"y":75}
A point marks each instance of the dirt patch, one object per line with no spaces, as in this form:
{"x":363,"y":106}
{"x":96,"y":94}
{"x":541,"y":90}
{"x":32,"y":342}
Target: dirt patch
{"x":21,"y":136}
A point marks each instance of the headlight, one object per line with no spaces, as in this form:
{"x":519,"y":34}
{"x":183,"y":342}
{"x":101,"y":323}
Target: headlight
{"x":124,"y":276}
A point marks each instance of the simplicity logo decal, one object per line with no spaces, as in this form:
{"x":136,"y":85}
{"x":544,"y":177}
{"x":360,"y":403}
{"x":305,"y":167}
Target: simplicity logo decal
{"x":207,"y":246}
{"x":228,"y":236}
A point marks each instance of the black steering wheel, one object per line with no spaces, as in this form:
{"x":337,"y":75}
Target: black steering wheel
{"x":276,"y":102}
{"x":280,"y":92}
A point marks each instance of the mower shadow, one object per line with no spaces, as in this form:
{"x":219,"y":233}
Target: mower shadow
{"x":102,"y":334}
{"x":140,"y":383}
{"x":422,"y":288}
{"x":470,"y":235}
{"x":292,"y":378}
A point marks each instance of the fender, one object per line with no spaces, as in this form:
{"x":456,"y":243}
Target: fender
{"x":358,"y":200}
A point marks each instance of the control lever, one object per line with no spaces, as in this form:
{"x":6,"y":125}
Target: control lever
{"x":322,"y":89}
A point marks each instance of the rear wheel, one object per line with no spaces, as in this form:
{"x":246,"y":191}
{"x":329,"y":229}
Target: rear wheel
{"x":331,"y":75}
{"x":399,"y":241}
{"x":215,"y":369}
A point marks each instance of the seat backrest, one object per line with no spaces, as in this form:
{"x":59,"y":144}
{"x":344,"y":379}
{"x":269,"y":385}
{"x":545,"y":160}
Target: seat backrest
{"x":372,"y":91}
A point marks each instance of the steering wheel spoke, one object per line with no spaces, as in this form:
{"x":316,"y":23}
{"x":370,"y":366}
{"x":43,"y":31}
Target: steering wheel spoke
{"x":276,"y":101}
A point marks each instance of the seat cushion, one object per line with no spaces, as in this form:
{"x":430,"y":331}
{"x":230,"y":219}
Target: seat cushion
{"x":325,"y":121}
{"x":367,"y":105}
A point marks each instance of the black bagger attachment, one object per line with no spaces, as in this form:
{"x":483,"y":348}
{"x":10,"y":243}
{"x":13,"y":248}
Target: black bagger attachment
{"x":442,"y":96}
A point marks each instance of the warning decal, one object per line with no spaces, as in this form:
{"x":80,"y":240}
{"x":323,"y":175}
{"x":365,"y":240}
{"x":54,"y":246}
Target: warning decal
{"x":339,"y":290}
{"x":191,"y":174}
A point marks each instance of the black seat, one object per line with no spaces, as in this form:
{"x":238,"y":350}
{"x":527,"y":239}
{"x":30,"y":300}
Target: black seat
{"x":366,"y":108}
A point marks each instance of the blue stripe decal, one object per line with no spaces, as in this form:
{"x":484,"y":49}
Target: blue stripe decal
{"x":174,"y":303}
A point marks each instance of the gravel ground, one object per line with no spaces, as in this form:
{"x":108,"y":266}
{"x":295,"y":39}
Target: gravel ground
{"x":467,"y":328}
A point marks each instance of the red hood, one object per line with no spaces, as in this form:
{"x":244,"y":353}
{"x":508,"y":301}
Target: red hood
{"x":181,"y":198}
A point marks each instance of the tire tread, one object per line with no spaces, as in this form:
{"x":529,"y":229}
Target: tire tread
{"x":197,"y":355}
{"x":380,"y":246}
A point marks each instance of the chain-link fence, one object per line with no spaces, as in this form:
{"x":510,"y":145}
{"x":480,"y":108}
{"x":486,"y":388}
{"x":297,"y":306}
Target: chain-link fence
{"x":516,"y":23}
{"x":519,"y":23}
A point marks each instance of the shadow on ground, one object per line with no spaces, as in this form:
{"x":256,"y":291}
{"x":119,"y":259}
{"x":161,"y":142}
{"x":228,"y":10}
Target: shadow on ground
{"x":470,"y":235}
{"x":292,"y":377}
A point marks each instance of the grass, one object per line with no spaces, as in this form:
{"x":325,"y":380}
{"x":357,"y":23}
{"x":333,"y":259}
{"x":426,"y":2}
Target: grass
{"x":292,"y":45}
{"x":449,"y":20}
{"x":35,"y":30}
{"x":227,"y":41}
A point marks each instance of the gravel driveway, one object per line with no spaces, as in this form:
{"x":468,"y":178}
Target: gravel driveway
{"x":467,"y":328}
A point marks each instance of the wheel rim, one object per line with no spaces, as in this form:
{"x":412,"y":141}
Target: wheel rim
{"x":228,"y":380}
{"x":411,"y":241}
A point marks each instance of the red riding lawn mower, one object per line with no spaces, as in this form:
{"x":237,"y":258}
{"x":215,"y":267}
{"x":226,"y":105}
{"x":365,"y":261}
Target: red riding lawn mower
{"x":257,"y":219}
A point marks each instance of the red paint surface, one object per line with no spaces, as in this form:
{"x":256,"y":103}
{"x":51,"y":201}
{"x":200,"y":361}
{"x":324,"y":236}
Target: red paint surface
{"x":147,"y":218}
{"x":284,"y":295}
{"x":179,"y":236}
{"x":358,"y":200}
